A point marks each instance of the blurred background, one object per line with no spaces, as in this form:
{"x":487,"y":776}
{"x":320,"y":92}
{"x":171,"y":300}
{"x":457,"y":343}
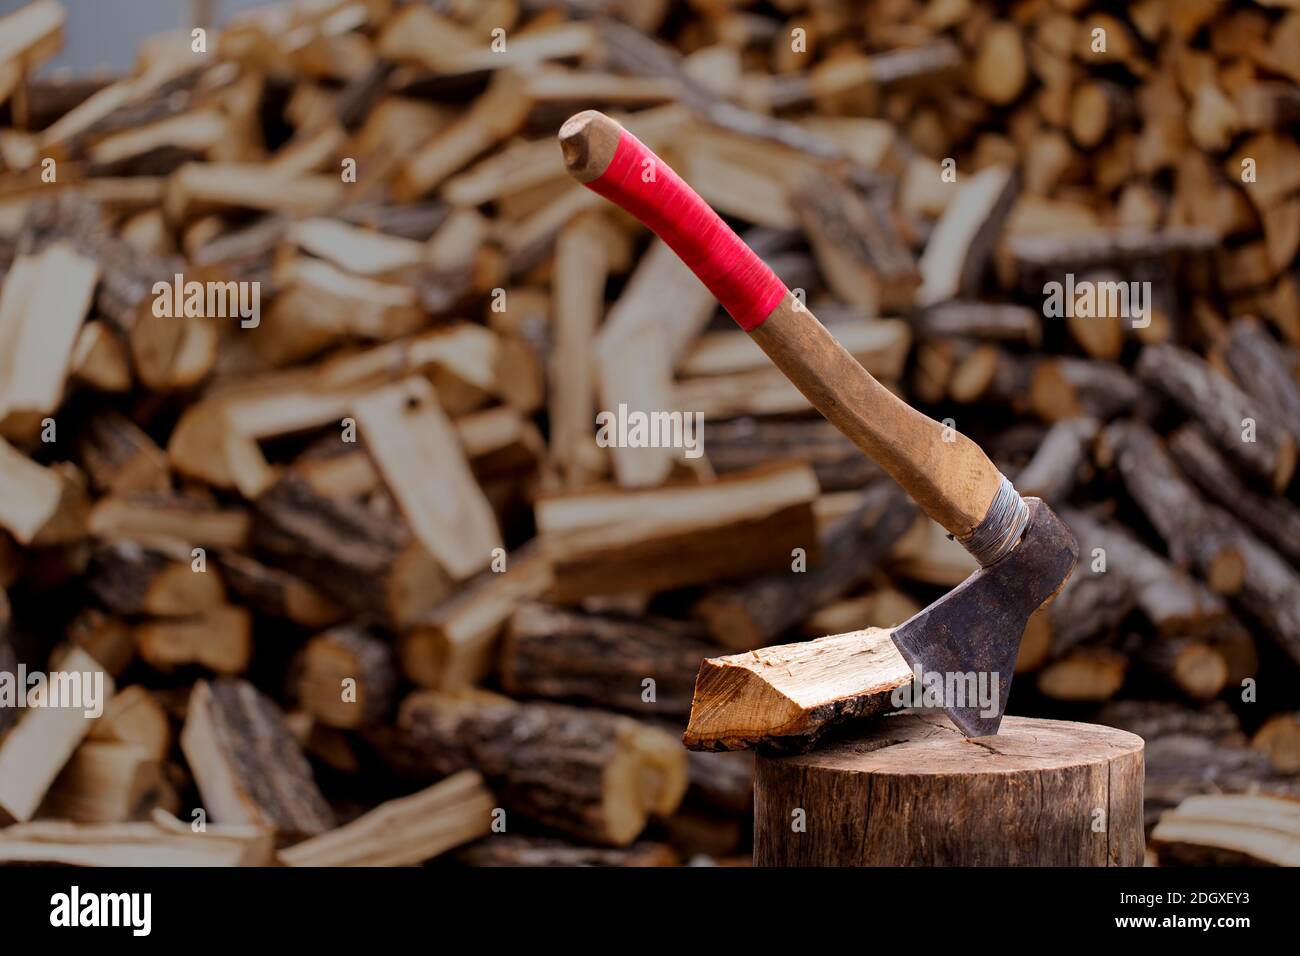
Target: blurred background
{"x":304,"y":333}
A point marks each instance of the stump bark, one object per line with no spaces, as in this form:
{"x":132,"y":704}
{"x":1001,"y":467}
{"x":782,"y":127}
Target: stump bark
{"x":913,"y":791}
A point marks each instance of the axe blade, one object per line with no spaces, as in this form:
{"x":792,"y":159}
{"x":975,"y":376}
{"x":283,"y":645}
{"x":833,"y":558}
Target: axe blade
{"x":975,"y":629}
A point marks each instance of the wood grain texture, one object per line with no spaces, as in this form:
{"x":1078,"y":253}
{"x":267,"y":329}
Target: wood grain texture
{"x":913,"y":791}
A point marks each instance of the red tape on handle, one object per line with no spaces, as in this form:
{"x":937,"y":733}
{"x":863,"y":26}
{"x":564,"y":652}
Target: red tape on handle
{"x":644,"y":185}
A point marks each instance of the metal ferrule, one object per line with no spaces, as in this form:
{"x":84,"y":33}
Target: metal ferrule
{"x":999,"y":533}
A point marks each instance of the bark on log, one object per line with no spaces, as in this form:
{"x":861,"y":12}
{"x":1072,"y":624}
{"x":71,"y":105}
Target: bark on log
{"x":329,"y":660}
{"x":913,"y":791}
{"x":591,"y":774}
{"x":602,"y":660}
{"x":744,"y":443}
{"x":1222,"y":408}
{"x":1053,"y":471}
{"x":1258,"y":364}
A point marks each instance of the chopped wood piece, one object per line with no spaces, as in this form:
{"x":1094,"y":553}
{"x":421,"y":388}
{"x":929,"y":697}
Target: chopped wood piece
{"x":134,"y":844}
{"x":42,"y":304}
{"x":1262,"y":369}
{"x":1229,"y":830}
{"x":981,"y":320}
{"x":36,"y":749}
{"x":454,"y":646}
{"x":41,"y":505}
{"x":108,"y":782}
{"x":909,"y":776}
{"x":601,"y":542}
{"x":157,"y":578}
{"x":515,"y":849}
{"x":593,"y":775}
{"x":1223,"y":409}
{"x":142,"y":516}
{"x":346,"y":677}
{"x":135,"y":717}
{"x":753,"y":614}
{"x":415,"y":449}
{"x":405,"y":831}
{"x":929,"y":554}
{"x":106,"y":638}
{"x":1064,"y":387}
{"x":335,"y":544}
{"x":1000,"y":68}
{"x":961,"y":244}
{"x":640,"y":666}
{"x":220,"y":639}
{"x":1193,"y":667}
{"x":787,"y":696}
{"x":120,"y":458}
{"x":277,"y":593}
{"x":248,"y":768}
{"x":200,"y":188}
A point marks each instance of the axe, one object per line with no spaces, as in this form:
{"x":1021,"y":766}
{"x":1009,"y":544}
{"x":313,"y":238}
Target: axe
{"x":1024,"y":550}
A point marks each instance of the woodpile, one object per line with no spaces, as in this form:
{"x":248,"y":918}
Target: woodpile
{"x":323,"y":390}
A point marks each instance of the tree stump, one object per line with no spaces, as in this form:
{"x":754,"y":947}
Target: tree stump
{"x":912,"y":791}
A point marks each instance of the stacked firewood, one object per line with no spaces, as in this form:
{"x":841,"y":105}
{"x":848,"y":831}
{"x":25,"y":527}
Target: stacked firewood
{"x":305,"y":332}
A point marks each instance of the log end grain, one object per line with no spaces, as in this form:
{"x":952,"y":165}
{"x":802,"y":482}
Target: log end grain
{"x":913,"y":791}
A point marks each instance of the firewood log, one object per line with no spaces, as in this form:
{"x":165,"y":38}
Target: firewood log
{"x":1066,"y":387}
{"x":744,"y":443}
{"x":157,"y":578}
{"x":1194,"y":533}
{"x":1222,"y":409}
{"x":1191,"y":666}
{"x":119,"y":457}
{"x":405,"y":831}
{"x":593,"y":775}
{"x":1053,"y":471}
{"x":134,"y":844}
{"x":1084,"y":674}
{"x":1259,"y":366}
{"x":134,"y":716}
{"x":454,"y":646}
{"x":1150,"y":719}
{"x":1229,"y":830}
{"x":601,"y":660}
{"x":1271,"y":516}
{"x":346,"y":677}
{"x":219,"y":638}
{"x":108,"y":782}
{"x":248,"y":768}
{"x":726,"y":529}
{"x":1279,"y":737}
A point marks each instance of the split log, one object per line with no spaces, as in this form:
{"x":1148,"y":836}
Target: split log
{"x":1258,"y":364}
{"x":105,"y":637}
{"x":346,"y":677}
{"x":41,"y":506}
{"x":1279,"y":738}
{"x":334,"y":544}
{"x":593,"y":775}
{"x":1032,"y":768}
{"x":1181,"y":766}
{"x":219,"y":639}
{"x":1194,"y":533}
{"x":1175,"y":603}
{"x":135,"y":717}
{"x":120,"y":458}
{"x":406,"y":831}
{"x":157,"y":578}
{"x":928,"y":554}
{"x":1229,"y":830}
{"x":145,"y":516}
{"x":730,"y":528}
{"x":277,"y":593}
{"x":108,"y":782}
{"x":1271,"y":516}
{"x":1054,"y":470}
{"x":1222,"y":409}
{"x":36,"y":749}
{"x":248,"y":768}
{"x":753,"y":614}
{"x":134,"y":844}
{"x":787,"y":696}
{"x":961,"y":244}
{"x":995,"y":322}
{"x":455,"y":645}
{"x":602,"y":660}
{"x":514,"y":849}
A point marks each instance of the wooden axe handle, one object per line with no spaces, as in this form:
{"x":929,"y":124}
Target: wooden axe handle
{"x":949,"y":475}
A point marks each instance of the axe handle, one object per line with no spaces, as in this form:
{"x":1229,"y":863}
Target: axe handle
{"x":947,"y":474}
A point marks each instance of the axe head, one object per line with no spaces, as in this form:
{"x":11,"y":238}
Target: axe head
{"x":969,"y":639}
